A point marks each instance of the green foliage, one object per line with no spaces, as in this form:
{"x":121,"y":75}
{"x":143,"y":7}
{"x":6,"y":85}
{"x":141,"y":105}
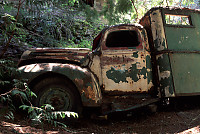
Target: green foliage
{"x":40,"y":24}
{"x":123,"y":6}
{"x":66,"y":23}
{"x":85,"y":44}
{"x":48,"y":23}
{"x":11,"y":88}
{"x":8,"y":25}
{"x":8,"y":72}
{"x":129,"y":11}
{"x":46,"y":114}
{"x":10,"y":115}
{"x":109,"y":12}
{"x":18,"y":90}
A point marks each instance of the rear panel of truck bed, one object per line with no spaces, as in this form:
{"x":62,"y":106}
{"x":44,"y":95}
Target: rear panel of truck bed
{"x":176,"y":48}
{"x":184,"y":42}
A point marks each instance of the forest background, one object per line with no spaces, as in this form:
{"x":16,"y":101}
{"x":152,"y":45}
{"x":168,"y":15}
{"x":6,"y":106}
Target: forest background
{"x":28,"y":24}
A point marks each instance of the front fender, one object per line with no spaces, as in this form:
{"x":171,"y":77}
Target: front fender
{"x":85,"y":81}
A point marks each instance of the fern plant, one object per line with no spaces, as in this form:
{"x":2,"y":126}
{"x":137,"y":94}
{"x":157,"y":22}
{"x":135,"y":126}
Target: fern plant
{"x":11,"y":88}
{"x":46,"y":114}
{"x":15,"y":88}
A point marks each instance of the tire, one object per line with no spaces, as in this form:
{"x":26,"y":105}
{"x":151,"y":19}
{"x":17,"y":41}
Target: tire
{"x":61,"y":94}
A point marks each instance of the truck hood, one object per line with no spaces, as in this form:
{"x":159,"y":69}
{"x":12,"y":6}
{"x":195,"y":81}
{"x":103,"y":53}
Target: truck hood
{"x":61,"y":55}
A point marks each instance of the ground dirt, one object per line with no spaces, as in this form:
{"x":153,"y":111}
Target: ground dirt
{"x":181,"y":116}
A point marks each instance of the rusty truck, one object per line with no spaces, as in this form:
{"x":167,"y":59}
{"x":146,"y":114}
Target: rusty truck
{"x":129,"y":66}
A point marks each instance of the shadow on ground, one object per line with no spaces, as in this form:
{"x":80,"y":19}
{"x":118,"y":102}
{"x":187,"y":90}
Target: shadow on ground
{"x":181,"y":116}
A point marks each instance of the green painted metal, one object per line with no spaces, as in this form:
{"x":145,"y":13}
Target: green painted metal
{"x":149,"y":67}
{"x":165,"y":75}
{"x":177,"y":51}
{"x":162,"y":63}
{"x":184,"y":38}
{"x":183,"y":42}
{"x":121,"y":75}
{"x":186,"y":72}
{"x":135,"y":54}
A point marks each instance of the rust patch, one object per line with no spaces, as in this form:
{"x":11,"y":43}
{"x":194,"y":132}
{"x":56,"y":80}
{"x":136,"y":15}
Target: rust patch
{"x":78,"y":55}
{"x":88,"y":93}
{"x":85,"y":82}
{"x":79,"y":81}
{"x":135,"y":27}
{"x":115,"y":59}
{"x":125,"y":103}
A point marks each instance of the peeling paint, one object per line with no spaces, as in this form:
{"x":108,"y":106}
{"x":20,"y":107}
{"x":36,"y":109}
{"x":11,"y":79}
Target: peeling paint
{"x":129,"y":74}
{"x":62,"y":55}
{"x":159,"y":58}
{"x":135,"y":54}
{"x":168,"y":93}
{"x":165,"y":74}
{"x":86,"y":83}
{"x":121,"y":75}
{"x":158,"y":30}
{"x":127,"y":69}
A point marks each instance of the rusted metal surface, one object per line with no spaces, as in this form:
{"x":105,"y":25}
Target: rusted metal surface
{"x":146,"y":23}
{"x":85,"y":81}
{"x":62,"y":55}
{"x":130,"y":65}
{"x":126,"y":103}
{"x":125,"y":75}
{"x":176,"y":48}
{"x":126,"y":69}
{"x":153,"y":21}
{"x":184,"y":41}
{"x":57,"y":97}
{"x":183,"y":46}
{"x":117,"y":70}
{"x":95,"y":67}
{"x":138,"y":28}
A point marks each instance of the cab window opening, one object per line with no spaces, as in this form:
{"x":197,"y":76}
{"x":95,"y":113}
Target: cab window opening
{"x":126,"y":38}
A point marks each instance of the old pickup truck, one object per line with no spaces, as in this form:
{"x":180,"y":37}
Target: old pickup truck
{"x":129,"y":66}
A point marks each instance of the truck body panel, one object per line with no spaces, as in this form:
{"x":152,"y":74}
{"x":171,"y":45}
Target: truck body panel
{"x":162,"y":59}
{"x":85,"y":81}
{"x":175,"y":44}
{"x":123,"y":66}
{"x":54,"y":55}
{"x":183,"y":40}
{"x":153,"y":22}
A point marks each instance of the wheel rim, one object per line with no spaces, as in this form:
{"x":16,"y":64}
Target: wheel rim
{"x":58,"y":97}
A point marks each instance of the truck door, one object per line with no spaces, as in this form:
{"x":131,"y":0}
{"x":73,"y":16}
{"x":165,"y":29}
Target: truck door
{"x":124,"y":61}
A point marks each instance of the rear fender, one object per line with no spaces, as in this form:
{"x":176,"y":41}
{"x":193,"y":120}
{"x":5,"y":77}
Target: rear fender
{"x":84,"y":80}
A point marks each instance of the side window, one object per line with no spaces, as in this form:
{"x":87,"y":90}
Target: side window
{"x":126,"y":38}
{"x":183,"y":20}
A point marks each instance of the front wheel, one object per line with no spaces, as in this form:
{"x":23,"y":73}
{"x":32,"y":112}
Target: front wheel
{"x":61,"y":94}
